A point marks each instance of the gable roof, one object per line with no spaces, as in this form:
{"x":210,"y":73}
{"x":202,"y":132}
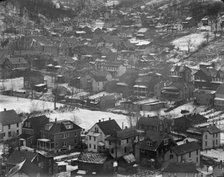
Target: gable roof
{"x":186,"y":148}
{"x":18,"y":156}
{"x":212,"y":129}
{"x":36,"y":122}
{"x":175,"y":167}
{"x":9,"y":117}
{"x":123,"y":134}
{"x":93,"y":158}
{"x":109,"y":126}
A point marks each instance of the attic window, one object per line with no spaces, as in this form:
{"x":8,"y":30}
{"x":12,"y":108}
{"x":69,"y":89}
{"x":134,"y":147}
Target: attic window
{"x":149,"y":143}
{"x":68,"y":125}
{"x":48,"y":126}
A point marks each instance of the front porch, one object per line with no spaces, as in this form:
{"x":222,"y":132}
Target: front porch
{"x":45,"y":144}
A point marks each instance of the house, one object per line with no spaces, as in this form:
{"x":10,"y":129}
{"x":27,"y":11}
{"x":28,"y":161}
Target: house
{"x":177,"y":91}
{"x":180,"y":73}
{"x":10,"y":124}
{"x":210,"y":137}
{"x":94,"y":80}
{"x":14,"y":67}
{"x":59,"y":136}
{"x":115,"y":68}
{"x":121,"y":142}
{"x":219,"y":97}
{"x":144,"y":84}
{"x":180,"y":169}
{"x":187,"y":152}
{"x":33,"y":78}
{"x":31,"y":130}
{"x":182,"y":124}
{"x":99,"y":132}
{"x":99,"y":163}
{"x":152,"y":149}
{"x":208,"y":77}
{"x":204,"y":97}
{"x":153,"y":124}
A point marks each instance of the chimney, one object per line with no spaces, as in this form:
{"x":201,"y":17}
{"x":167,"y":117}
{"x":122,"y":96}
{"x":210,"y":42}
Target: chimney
{"x":109,"y":118}
{"x":126,"y":127}
{"x":55,"y":120}
{"x":99,"y":120}
{"x":4,"y":109}
{"x":122,"y":125}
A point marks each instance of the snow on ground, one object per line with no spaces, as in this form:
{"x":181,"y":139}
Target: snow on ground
{"x":192,"y":41}
{"x":175,"y":113}
{"x":24,"y":105}
{"x":214,"y":153}
{"x":83,"y":117}
{"x":12,"y":84}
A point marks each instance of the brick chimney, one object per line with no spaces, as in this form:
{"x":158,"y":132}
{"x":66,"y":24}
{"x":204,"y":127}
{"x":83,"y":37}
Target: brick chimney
{"x":4,"y":109}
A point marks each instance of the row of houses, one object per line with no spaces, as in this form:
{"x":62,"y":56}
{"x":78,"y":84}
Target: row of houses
{"x":152,"y":142}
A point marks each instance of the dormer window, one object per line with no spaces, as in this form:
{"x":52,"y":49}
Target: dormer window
{"x":96,"y":130}
{"x":149,"y":143}
{"x":68,"y":125}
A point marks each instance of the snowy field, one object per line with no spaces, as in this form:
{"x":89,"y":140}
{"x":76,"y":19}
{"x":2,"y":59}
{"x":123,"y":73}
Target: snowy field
{"x":83,"y":117}
{"x":192,"y":41}
{"x":12,"y":84}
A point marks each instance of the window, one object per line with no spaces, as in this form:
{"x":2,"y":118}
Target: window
{"x":206,"y":137}
{"x":166,"y":142}
{"x":66,"y":135}
{"x":171,"y":156}
{"x":94,"y":146}
{"x":17,"y":125}
{"x":64,"y":143}
{"x":127,"y":140}
{"x":9,"y":134}
{"x":125,"y":149}
{"x":216,"y":142}
{"x":196,"y":152}
{"x":109,"y":142}
{"x":90,"y":138}
{"x":196,"y":159}
{"x":94,"y":138}
{"x":17,"y":132}
{"x":96,"y":130}
{"x":189,"y":154}
{"x":213,"y":143}
{"x":216,"y":135}
{"x":9,"y":126}
{"x":205,"y":143}
{"x":89,"y":145}
{"x":112,"y":150}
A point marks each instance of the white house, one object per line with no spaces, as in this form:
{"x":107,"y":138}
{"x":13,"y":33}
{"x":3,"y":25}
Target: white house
{"x":210,"y":137}
{"x":97,"y":134}
{"x":10,"y":124}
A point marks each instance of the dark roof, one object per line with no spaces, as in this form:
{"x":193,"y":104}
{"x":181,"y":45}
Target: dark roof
{"x":186,"y":148}
{"x":175,"y":167}
{"x":109,"y":126}
{"x":25,"y":136}
{"x":18,"y":156}
{"x":9,"y":117}
{"x":211,"y":129}
{"x":31,"y":169}
{"x":149,"y":121}
{"x":38,"y":121}
{"x":123,"y":134}
{"x":60,"y":126}
{"x":220,"y":89}
{"x":154,"y":140}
